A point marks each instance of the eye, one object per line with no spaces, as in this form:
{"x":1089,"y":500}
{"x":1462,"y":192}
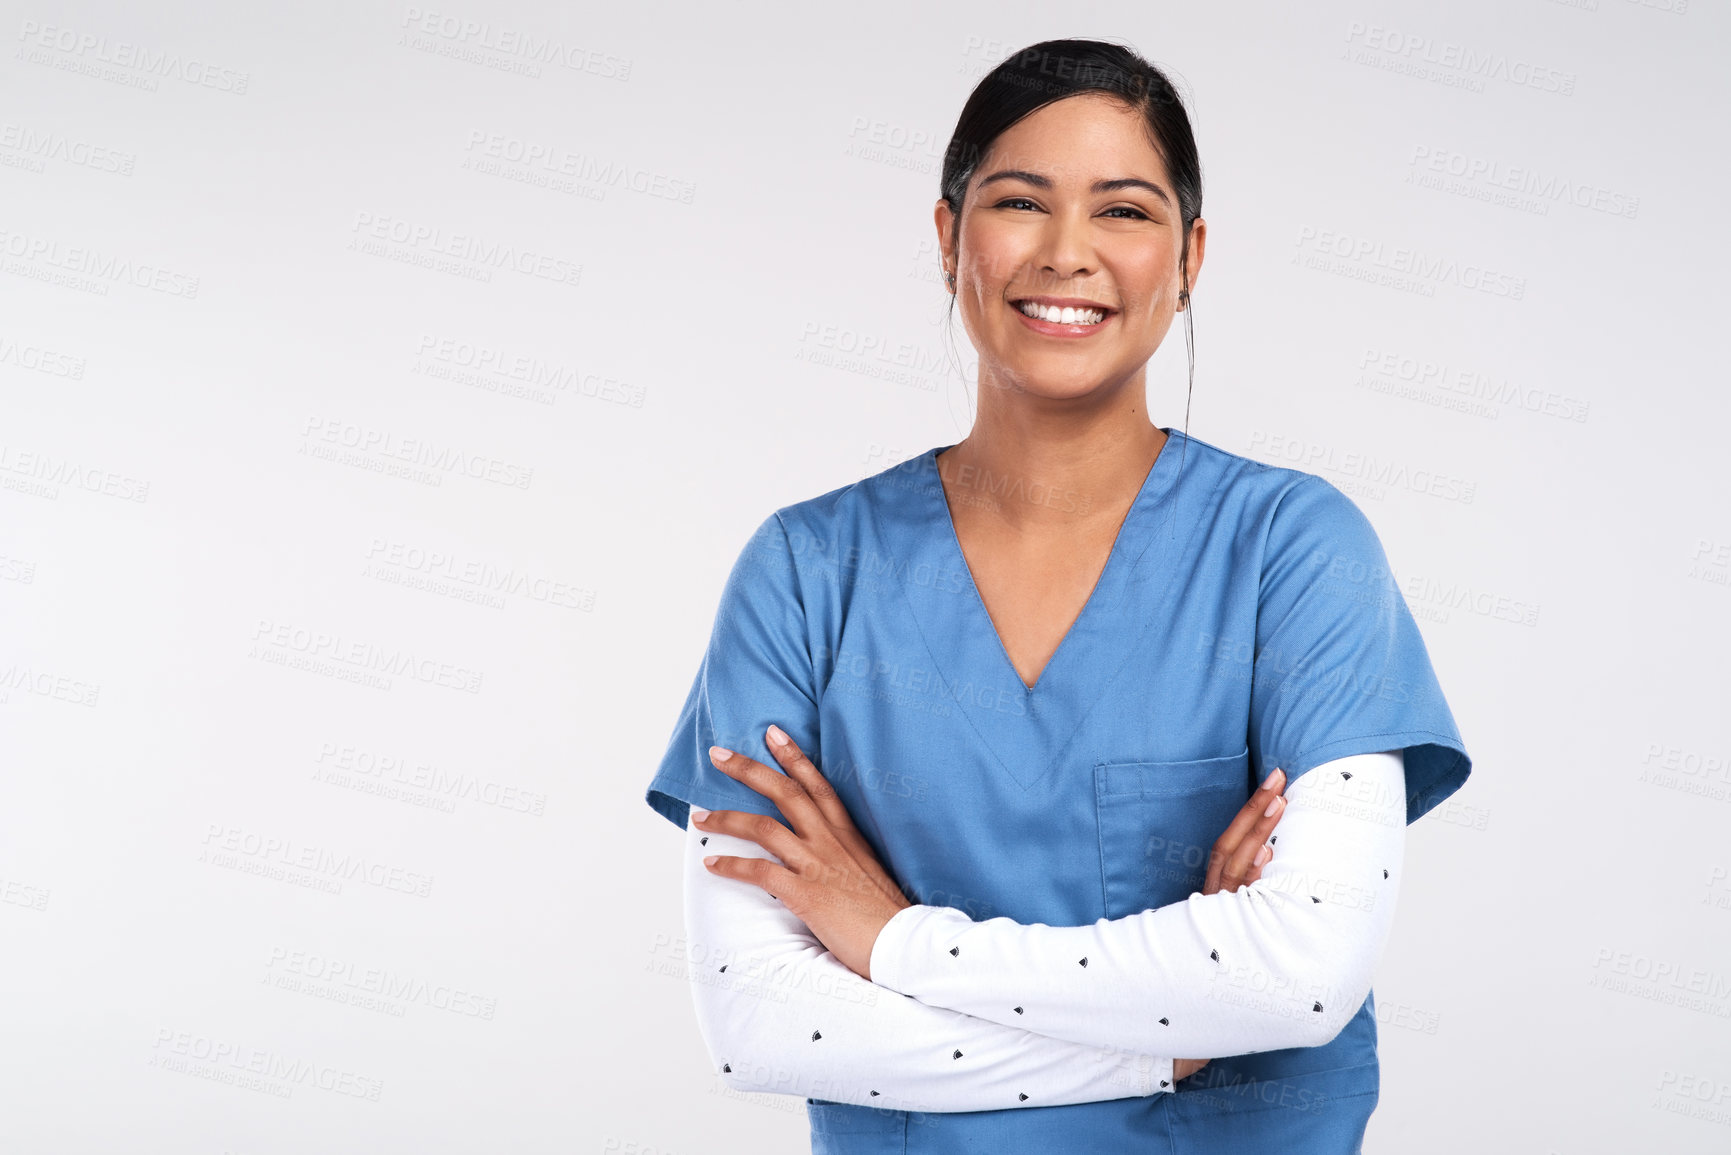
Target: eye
{"x":1137,"y":214}
{"x":1014,"y":201}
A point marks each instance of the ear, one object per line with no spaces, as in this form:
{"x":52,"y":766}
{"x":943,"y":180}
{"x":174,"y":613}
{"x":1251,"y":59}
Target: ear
{"x":1193,"y":261}
{"x":946,"y":224}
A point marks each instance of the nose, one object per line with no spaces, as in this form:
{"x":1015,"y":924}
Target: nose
{"x":1065,"y":252}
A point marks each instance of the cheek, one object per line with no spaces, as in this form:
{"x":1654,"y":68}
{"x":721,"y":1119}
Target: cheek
{"x":1149,"y":273}
{"x":991,"y":255}
{"x":1156,"y":288}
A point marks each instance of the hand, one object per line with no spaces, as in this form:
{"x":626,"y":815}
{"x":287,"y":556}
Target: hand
{"x":1237,"y":860}
{"x":828,"y":876}
{"x":1240,"y":854}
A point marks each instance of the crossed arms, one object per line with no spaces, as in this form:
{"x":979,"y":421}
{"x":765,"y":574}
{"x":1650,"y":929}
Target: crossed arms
{"x":970,"y":1016}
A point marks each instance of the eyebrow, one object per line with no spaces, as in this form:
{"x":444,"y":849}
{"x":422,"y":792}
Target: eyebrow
{"x":1045,"y":182}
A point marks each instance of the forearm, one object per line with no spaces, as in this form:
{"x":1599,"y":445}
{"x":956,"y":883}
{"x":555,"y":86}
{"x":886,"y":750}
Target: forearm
{"x":780,"y":1014}
{"x":1283,"y":962}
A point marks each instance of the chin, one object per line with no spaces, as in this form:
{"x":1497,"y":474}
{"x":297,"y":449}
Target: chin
{"x":1056,"y":382}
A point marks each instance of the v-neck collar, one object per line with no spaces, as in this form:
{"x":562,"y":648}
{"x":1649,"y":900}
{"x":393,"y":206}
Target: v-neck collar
{"x":1152,"y":485}
{"x":1027,"y":727}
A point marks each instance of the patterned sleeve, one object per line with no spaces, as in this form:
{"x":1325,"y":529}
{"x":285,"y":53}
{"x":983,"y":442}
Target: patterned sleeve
{"x":1283,"y":962}
{"x":780,"y":1014}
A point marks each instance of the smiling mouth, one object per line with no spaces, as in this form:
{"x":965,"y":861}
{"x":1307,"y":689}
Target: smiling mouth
{"x":1065,"y":315}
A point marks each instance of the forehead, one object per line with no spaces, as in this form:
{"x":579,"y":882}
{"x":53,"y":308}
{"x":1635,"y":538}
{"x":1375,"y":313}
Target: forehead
{"x":1078,"y":140}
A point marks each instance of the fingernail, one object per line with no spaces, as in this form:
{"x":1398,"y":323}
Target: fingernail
{"x":1273,"y":805}
{"x":776,"y":737}
{"x":1263,"y":855}
{"x":1278,"y":773}
{"x":720,"y":753}
{"x":709,"y":859}
{"x":698,"y":814}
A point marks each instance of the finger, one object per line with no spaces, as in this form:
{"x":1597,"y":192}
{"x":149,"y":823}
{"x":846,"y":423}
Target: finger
{"x":1254,"y":810}
{"x":829,"y":803}
{"x":802,"y":770}
{"x":1263,"y":856}
{"x":1242,"y":824}
{"x":1254,"y":874}
{"x":758,"y":828}
{"x":1253,"y":851}
{"x":1236,"y":850}
{"x":777,"y":881}
{"x":787,"y":794}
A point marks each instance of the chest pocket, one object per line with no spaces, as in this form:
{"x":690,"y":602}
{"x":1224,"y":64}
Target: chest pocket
{"x":1158,"y":824}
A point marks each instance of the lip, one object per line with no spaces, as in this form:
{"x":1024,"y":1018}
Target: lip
{"x":1066,"y":303}
{"x":1058,"y":328}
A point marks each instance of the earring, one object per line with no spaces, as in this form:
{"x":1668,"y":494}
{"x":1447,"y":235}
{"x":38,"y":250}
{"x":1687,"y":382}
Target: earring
{"x":950,"y":279}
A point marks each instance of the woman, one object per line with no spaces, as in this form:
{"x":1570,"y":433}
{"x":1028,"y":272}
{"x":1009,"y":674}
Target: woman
{"x":993,"y":863}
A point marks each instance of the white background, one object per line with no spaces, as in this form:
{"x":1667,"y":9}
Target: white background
{"x":336,"y":652}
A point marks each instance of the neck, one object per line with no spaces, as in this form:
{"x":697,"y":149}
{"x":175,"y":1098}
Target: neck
{"x":1035,"y":474}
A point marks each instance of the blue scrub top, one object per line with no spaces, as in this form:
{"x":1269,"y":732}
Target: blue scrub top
{"x":1246,"y":620}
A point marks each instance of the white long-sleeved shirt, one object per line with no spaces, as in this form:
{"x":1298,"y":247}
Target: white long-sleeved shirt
{"x":780,"y":1014}
{"x":966,"y":1016}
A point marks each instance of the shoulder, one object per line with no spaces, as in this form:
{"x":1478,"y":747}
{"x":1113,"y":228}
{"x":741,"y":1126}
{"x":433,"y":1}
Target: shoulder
{"x":848,"y":512}
{"x":802,"y":542}
{"x":1261,"y":492}
{"x":1286,"y":518}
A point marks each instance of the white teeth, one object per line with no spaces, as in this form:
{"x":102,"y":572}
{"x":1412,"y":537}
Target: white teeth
{"x":1062,"y":316}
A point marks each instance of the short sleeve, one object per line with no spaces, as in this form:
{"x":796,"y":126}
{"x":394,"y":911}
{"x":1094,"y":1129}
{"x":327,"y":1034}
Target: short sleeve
{"x":757,"y":670}
{"x":1341,"y":667}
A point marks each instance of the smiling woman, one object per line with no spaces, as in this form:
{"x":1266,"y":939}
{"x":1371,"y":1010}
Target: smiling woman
{"x":1003,"y":884}
{"x":1105,"y":159}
